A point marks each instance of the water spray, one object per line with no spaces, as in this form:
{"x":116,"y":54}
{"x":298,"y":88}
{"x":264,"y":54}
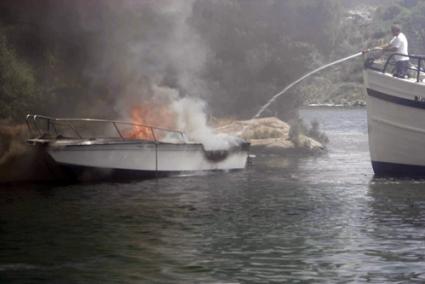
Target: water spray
{"x":264,"y":107}
{"x":269,"y":102}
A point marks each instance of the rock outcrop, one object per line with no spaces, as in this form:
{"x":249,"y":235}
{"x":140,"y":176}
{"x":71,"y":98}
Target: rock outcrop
{"x":272,"y":135}
{"x":18,"y":161}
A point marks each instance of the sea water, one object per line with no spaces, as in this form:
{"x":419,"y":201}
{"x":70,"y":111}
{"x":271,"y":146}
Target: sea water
{"x":322,"y":219}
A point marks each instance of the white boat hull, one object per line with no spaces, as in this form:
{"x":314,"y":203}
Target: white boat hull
{"x":147,"y":157}
{"x":87,"y":148}
{"x":396,"y":123}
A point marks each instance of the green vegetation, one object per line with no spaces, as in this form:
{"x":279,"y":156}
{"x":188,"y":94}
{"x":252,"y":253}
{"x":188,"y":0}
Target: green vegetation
{"x":299,"y":129}
{"x":260,"y":47}
{"x":365,"y":24}
{"x":96,"y":58}
{"x":18,"y":86}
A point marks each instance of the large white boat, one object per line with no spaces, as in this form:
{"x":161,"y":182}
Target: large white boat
{"x":396,"y":118}
{"x":95,"y":148}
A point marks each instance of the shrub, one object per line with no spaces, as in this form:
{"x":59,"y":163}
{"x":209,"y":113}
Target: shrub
{"x":299,"y":128}
{"x":18,"y":88}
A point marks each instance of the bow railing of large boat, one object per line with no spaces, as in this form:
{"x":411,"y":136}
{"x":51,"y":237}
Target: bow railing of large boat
{"x":41,"y":126}
{"x":416,"y":65}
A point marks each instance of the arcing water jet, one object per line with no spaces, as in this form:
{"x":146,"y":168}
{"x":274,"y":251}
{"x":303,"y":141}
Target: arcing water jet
{"x":269,"y":102}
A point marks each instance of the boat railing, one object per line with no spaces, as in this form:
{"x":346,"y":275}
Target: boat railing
{"x":416,"y":65}
{"x":41,"y":126}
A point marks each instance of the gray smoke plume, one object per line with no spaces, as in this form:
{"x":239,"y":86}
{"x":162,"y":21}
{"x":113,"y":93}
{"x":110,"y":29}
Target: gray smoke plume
{"x":155,"y":47}
{"x":147,"y":53}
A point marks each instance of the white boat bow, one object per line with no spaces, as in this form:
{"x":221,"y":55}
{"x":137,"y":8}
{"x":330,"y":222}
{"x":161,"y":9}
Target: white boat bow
{"x":396,"y":118}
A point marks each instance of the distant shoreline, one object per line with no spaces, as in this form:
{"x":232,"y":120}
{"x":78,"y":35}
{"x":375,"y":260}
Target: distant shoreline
{"x":334,"y":106}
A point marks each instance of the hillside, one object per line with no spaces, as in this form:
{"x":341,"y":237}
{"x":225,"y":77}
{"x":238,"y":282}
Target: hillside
{"x":101,"y":59}
{"x":365,"y":24}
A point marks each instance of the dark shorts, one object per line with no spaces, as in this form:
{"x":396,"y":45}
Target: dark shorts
{"x":401,"y":68}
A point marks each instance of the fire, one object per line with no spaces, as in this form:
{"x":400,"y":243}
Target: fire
{"x":148,"y":116}
{"x":139,"y":131}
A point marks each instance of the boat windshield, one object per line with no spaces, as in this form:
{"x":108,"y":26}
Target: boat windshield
{"x":44,"y":127}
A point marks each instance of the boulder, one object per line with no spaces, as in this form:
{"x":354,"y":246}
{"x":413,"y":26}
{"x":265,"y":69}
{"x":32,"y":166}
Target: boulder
{"x":270,"y":134}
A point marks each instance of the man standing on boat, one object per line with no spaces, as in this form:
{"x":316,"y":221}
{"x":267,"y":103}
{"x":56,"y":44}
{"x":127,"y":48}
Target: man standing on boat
{"x":398,"y":45}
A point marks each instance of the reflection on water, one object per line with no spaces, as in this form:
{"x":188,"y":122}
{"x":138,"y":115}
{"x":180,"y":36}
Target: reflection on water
{"x":396,"y":228}
{"x":285,"y":219}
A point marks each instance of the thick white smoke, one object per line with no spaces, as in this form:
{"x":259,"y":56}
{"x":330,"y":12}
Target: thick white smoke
{"x":184,"y":50}
{"x":192,"y":119}
{"x":181,"y":52}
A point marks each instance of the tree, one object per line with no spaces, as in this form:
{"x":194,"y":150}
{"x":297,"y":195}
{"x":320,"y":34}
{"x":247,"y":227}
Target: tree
{"x":18,"y":87}
{"x":259,"y":47}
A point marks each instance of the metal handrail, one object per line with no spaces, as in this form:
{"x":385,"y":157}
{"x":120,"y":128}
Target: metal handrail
{"x":33,"y":125}
{"x":418,"y":69}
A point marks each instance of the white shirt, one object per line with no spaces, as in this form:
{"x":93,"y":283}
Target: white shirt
{"x":400,"y":42}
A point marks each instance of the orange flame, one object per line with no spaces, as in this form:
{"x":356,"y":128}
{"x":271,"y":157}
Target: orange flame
{"x":140,"y":131}
{"x":148,"y":117}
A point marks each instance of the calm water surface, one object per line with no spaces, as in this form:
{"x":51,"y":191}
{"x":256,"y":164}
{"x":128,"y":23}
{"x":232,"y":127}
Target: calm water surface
{"x":321,"y":219}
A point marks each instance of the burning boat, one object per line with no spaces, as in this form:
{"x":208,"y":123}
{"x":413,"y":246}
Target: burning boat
{"x":396,"y":115}
{"x":97,"y":148}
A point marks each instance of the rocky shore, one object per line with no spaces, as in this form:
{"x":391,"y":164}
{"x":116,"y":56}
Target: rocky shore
{"x":271,"y":135}
{"x":18,"y":161}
